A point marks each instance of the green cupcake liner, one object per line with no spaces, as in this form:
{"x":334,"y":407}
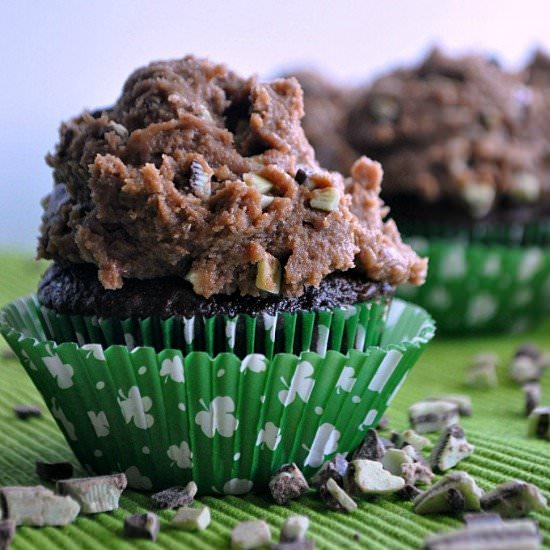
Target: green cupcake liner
{"x":474,"y":287}
{"x":166,"y":417}
{"x":536,"y":233}
{"x":349,"y":327}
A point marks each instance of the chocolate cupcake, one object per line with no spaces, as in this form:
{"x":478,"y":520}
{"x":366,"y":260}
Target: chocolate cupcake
{"x":466,"y":170}
{"x":215,"y":296}
{"x":453,"y":135}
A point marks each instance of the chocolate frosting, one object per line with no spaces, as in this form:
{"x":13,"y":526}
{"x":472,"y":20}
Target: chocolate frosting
{"x":457,"y":129}
{"x":162,"y":184}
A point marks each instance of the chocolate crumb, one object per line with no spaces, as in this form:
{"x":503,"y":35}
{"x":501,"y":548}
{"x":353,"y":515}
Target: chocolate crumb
{"x":145,"y":526}
{"x":300,"y":176}
{"x":24,"y":412}
{"x":174,"y":497}
{"x":53,"y":471}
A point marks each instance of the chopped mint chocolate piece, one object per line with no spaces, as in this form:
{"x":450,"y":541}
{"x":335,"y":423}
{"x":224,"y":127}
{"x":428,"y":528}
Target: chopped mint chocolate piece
{"x":7,"y":532}
{"x":454,"y":492}
{"x":393,"y":459}
{"x":419,"y":442}
{"x":514,"y":499}
{"x":482,"y":372}
{"x":539,"y":423}
{"x":250,"y":534}
{"x":144,"y":526}
{"x":371,"y":448}
{"x":192,"y":519}
{"x":417,"y":472}
{"x":463,"y":402}
{"x":334,"y":468}
{"x":300,"y":176}
{"x":432,"y":416}
{"x":288,"y":483}
{"x":508,"y":535}
{"x":37,"y":506}
{"x":336,"y":498}
{"x":294,"y":529}
{"x":54,"y":471}
{"x":199,"y":180}
{"x":369,"y":477}
{"x":531,"y":391}
{"x":24,"y":412}
{"x":94,"y":494}
{"x":450,"y":449}
{"x":174,"y":497}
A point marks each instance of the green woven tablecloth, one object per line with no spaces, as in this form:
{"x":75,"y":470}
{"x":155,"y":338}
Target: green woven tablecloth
{"x":497,"y":428}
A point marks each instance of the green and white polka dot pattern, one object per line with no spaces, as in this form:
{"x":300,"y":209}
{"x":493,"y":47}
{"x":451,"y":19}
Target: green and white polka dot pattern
{"x":167,"y":417}
{"x":476,"y":287}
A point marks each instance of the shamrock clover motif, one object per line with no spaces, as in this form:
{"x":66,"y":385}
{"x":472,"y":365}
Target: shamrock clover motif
{"x":181,"y":455}
{"x":301,"y":384}
{"x":134,"y":407}
{"x":136,"y":480}
{"x":346,"y":381}
{"x":173,"y":369}
{"x":68,"y":426}
{"x":218,"y":416}
{"x":99,"y":422}
{"x":230,"y":332}
{"x":270,"y":435}
{"x":94,"y":350}
{"x":324,"y":443}
{"x":255,"y":362}
{"x":63,"y":373}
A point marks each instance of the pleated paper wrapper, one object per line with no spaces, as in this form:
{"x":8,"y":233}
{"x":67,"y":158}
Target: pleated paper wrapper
{"x":478,"y":287}
{"x":168,"y":416}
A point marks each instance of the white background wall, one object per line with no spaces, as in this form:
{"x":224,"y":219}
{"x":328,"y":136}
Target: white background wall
{"x":57,"y":57}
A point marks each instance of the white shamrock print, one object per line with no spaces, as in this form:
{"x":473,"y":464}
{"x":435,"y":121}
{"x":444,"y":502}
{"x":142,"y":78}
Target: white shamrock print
{"x":237,"y":486}
{"x":181,"y":455}
{"x":322,"y":339}
{"x":67,"y":425}
{"x":173,"y":368}
{"x":255,"y":362}
{"x":136,"y":480}
{"x":61,"y":372}
{"x":134,"y":407}
{"x":217,"y":417}
{"x":346,"y":380}
{"x":301,"y":384}
{"x":99,"y":422}
{"x":94,"y":350}
{"x":270,"y":325}
{"x":324,"y":443}
{"x":368,"y":421}
{"x":188,"y":329}
{"x":270,"y":435}
{"x":230,"y":328}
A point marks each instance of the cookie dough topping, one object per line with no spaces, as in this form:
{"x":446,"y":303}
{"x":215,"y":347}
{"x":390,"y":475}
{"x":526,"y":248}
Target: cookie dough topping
{"x":199,"y":173}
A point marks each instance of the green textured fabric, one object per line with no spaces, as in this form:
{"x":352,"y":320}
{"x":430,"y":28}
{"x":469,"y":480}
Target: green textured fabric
{"x":497,"y":428}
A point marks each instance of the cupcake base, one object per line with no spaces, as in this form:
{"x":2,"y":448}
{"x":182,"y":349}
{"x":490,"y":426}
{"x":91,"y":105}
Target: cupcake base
{"x":166,"y":417}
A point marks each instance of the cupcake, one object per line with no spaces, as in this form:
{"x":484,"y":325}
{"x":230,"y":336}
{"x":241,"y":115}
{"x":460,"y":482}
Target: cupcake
{"x":217,"y":304}
{"x":466,"y":169}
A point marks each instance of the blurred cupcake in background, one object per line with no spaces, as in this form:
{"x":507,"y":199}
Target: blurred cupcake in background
{"x":464,"y":148}
{"x":326,"y":108}
{"x":218,"y":304}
